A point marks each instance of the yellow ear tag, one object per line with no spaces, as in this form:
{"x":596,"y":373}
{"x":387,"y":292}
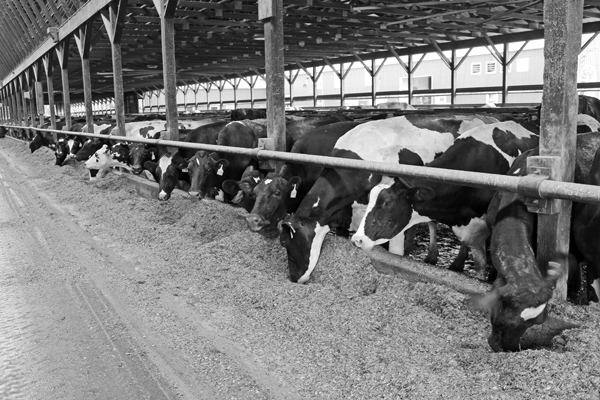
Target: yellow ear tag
{"x":220,"y":170}
{"x":294,"y":192}
{"x":153,"y":158}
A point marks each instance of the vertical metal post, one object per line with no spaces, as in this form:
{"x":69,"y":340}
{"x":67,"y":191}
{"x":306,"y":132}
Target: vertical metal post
{"x":562,"y":23}
{"x":505,"y":75}
{"x":453,"y":78}
{"x":409,"y":79}
{"x":373,"y":84}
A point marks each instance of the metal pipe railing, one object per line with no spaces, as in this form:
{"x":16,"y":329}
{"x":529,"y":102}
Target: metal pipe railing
{"x":545,"y":189}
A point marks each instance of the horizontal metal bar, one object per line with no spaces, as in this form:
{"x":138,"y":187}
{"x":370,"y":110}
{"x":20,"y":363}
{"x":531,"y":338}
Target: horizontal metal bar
{"x":547,"y":189}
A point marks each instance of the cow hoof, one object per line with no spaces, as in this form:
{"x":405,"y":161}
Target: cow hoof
{"x":431,"y":260}
{"x":457,"y":267}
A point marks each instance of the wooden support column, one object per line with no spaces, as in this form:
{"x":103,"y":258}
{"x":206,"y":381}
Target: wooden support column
{"x":62,"y":51}
{"x":114,"y":20}
{"x":24,"y":105}
{"x":84,"y":43}
{"x":562,"y":23}
{"x":30,"y":95}
{"x":166,"y":12}
{"x":13,"y":98}
{"x":271,"y":13}
{"x":18,"y":101}
{"x":39,"y":92}
{"x":505,"y":75}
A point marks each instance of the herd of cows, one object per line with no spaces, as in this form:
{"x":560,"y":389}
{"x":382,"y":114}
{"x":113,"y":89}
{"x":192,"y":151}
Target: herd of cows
{"x":302,"y":203}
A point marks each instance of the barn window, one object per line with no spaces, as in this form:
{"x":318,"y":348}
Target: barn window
{"x":475,"y":68}
{"x":490,"y":67}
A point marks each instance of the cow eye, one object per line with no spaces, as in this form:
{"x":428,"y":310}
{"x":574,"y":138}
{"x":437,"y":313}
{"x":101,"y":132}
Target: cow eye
{"x":278,"y":193}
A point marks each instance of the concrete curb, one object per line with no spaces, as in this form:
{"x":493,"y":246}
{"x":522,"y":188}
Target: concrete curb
{"x":391,"y":264}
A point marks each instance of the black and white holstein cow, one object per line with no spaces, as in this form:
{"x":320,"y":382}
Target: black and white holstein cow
{"x":396,"y":204}
{"x":91,"y":145}
{"x":520,"y":294}
{"x":102,"y":160}
{"x":424,"y":135}
{"x":281,"y":192}
{"x":246,"y":134}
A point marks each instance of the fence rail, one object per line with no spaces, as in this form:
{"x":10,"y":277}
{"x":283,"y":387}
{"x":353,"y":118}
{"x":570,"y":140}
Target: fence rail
{"x":546,"y":189}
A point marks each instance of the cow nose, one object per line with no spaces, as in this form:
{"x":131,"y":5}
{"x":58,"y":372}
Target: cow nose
{"x":357,"y":241}
{"x":137,"y":169}
{"x":255,"y":222}
{"x":163,"y":196}
{"x":194,"y":193}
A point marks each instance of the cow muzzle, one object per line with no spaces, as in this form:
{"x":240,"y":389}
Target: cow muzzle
{"x":363,"y":242}
{"x":137,"y":169}
{"x":256,"y":222}
{"x":163,"y":196}
{"x":196,"y":193}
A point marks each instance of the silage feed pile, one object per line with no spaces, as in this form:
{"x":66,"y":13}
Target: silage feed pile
{"x":350,"y":333}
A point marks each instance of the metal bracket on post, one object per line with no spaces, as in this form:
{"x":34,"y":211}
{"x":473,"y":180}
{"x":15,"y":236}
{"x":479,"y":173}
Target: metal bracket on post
{"x":539,"y":169}
{"x":266,"y":144}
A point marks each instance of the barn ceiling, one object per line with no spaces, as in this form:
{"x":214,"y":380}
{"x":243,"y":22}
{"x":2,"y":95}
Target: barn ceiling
{"x":217,"y":39}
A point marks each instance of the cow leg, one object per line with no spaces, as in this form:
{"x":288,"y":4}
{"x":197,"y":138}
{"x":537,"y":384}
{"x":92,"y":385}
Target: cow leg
{"x":481,"y":266}
{"x":458,"y":265}
{"x":409,"y":239}
{"x":434,"y":252}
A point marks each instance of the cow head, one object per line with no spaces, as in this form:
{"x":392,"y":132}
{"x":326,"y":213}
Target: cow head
{"x":61,"y":151}
{"x":250,"y":178}
{"x":167,"y":172}
{"x":120,"y":152}
{"x":89,"y":147}
{"x":202,"y":167}
{"x":389,"y":211}
{"x":138,"y":155}
{"x":272,"y":196}
{"x":298,"y":235}
{"x":515,"y":305}
{"x":73,"y":146}
{"x":38,"y":141}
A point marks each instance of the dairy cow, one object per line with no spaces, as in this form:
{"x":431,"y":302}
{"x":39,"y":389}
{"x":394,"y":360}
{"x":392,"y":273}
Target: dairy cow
{"x":425,"y":134}
{"x":242,"y":191}
{"x":102,"y":160}
{"x":91,"y":145}
{"x":520,"y":294}
{"x":397,"y":203}
{"x":246,"y":134}
{"x":200,"y":165}
{"x":280,"y":193}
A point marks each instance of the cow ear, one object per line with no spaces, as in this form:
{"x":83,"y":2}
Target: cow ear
{"x":230,"y":186}
{"x":150,"y":166}
{"x":421,"y":193}
{"x":294,"y":183}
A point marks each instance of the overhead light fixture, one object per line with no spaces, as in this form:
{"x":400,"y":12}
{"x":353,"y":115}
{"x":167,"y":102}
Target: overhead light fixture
{"x":152,"y":66}
{"x":259,"y":37}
